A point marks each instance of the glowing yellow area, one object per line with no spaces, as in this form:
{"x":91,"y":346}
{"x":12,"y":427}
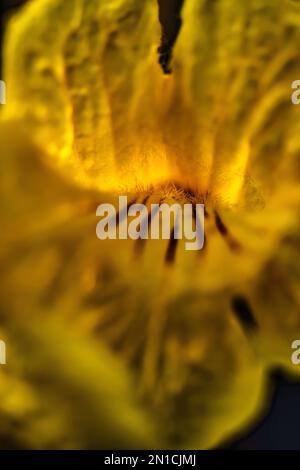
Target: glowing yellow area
{"x":88,"y":104}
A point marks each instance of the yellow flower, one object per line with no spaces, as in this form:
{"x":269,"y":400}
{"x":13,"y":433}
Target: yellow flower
{"x":129,"y":344}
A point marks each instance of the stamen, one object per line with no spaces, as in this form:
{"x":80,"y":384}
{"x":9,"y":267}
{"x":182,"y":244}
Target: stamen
{"x":220,"y":225}
{"x":244,"y":314}
{"x":140,"y":243}
{"x":120,"y":217}
{"x":232,"y":242}
{"x":171,"y":250}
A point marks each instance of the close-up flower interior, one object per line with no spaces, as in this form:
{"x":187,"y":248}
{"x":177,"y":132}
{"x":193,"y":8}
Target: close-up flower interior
{"x":140,"y":343}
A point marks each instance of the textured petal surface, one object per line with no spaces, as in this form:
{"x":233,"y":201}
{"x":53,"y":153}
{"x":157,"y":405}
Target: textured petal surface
{"x":195,"y":333}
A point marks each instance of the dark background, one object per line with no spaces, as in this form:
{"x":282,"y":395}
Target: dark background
{"x":280,"y":427}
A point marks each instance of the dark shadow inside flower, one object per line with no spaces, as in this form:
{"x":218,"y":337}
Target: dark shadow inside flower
{"x":193,"y":335}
